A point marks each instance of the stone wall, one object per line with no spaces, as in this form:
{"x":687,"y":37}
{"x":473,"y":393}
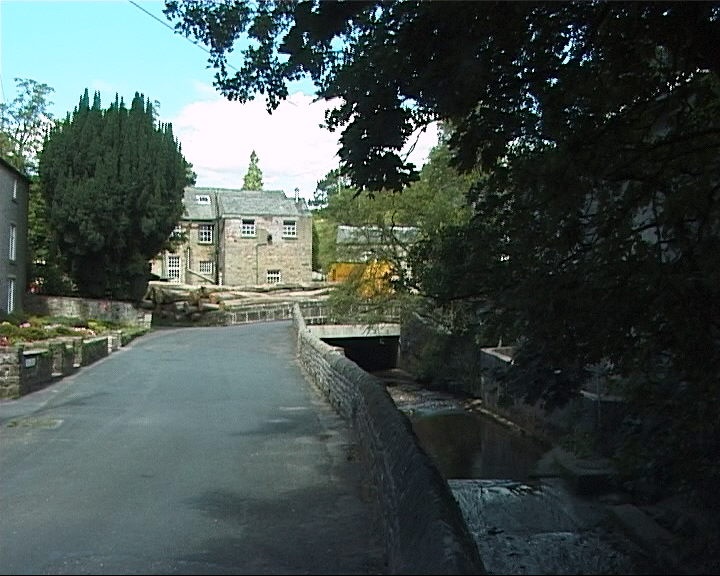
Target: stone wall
{"x":454,"y":363}
{"x":86,"y":308}
{"x":29,"y":367}
{"x":35,"y":368}
{"x":549,"y":426}
{"x":425,"y":532}
{"x":9,"y":372}
{"x":245,"y":261}
{"x":94,"y":349}
{"x":437,"y":358}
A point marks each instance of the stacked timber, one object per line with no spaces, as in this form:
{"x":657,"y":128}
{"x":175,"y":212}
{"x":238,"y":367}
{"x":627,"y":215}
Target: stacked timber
{"x":181,"y":303}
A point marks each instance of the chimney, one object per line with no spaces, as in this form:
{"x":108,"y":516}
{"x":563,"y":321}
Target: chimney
{"x":297,"y":194}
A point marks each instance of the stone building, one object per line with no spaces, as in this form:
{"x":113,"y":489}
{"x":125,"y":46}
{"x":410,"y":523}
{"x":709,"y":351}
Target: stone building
{"x":371,"y":250}
{"x":240,"y":238}
{"x":14,"y":195}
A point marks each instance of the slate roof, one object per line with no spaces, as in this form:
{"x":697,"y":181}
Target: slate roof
{"x":14,"y":170}
{"x":230,"y":202}
{"x":196,"y":211}
{"x":372,"y":235}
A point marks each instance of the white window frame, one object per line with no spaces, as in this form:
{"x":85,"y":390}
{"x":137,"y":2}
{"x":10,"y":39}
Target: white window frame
{"x":289,"y":229}
{"x":15,"y":184}
{"x":206,"y":267}
{"x":202,"y":199}
{"x":12,"y":252}
{"x":273,"y":277}
{"x":10,"y":295}
{"x":248,"y":228}
{"x":205,"y":233}
{"x":172,"y":267}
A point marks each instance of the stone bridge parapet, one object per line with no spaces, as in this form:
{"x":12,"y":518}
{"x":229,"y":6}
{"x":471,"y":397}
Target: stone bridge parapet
{"x":425,"y":532}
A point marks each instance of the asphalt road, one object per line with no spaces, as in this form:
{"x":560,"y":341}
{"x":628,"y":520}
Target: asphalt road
{"x":191,"y":451}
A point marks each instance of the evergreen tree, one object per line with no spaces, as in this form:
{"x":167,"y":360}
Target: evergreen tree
{"x":113,"y":181}
{"x":253,"y":178}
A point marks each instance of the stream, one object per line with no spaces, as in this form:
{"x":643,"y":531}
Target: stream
{"x":524,"y":520}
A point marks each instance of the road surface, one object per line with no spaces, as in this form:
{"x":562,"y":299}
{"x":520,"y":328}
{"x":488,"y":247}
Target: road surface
{"x":191,"y":451}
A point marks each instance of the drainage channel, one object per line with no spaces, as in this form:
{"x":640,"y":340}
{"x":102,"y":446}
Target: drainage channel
{"x":524,"y":519}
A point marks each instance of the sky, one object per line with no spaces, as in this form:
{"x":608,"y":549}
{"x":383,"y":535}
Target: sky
{"x":127,"y":46}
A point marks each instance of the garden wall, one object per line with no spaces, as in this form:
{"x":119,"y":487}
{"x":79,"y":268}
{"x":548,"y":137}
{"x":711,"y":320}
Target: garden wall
{"x":87,"y":308}
{"x":29,"y":367}
{"x":425,"y":532}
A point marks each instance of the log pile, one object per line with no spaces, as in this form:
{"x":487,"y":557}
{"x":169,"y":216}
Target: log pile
{"x":184,"y":303}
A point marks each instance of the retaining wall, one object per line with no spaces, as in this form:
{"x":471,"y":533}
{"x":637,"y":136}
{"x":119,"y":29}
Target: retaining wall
{"x":457,"y":364}
{"x":425,"y":532}
{"x":87,"y":308}
{"x":30,"y":367}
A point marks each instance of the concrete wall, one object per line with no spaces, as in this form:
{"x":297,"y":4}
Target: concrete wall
{"x":425,"y":532}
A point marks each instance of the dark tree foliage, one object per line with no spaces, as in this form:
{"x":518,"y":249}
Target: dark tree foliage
{"x":596,"y":128}
{"x":113,"y":181}
{"x":330,"y":185}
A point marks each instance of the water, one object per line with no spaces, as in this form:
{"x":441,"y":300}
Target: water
{"x":465,"y":445}
{"x":521,"y":524}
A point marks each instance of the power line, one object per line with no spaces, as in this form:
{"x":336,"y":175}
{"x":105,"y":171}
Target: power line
{"x":2,"y":84}
{"x":164,"y":23}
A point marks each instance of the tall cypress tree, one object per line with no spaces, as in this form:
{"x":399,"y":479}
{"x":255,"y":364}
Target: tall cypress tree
{"x":253,"y":177}
{"x":114,"y":181}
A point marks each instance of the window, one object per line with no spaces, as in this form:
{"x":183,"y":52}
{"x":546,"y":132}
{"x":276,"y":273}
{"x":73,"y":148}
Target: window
{"x":14,"y":197}
{"x":10,"y":295}
{"x":247,"y":227}
{"x":274,"y":277}
{"x":205,"y":233}
{"x":202,"y":199}
{"x":177,"y":231}
{"x":289,"y":229}
{"x":13,"y":241}
{"x":206,"y":267}
{"x":173,"y":267}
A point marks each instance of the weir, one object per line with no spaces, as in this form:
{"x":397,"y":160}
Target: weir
{"x":520,"y":513}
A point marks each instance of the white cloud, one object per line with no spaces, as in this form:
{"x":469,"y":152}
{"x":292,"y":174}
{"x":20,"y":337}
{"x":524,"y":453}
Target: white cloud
{"x":217,"y":137}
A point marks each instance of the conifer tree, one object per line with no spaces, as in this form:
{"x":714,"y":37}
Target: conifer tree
{"x":253,"y":178}
{"x":113,"y":181}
